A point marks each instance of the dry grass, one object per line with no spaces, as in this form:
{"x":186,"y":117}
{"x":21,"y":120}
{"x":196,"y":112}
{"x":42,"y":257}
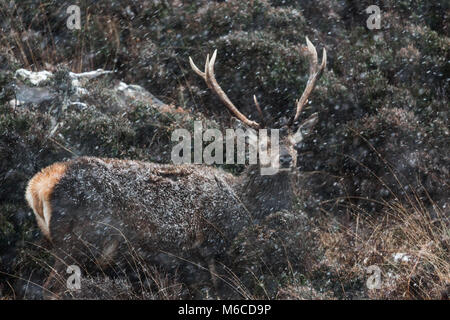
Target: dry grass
{"x":408,"y":242}
{"x":132,"y":279}
{"x":38,"y":50}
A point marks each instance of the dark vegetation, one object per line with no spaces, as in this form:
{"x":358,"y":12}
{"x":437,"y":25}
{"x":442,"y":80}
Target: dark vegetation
{"x":373,"y":178}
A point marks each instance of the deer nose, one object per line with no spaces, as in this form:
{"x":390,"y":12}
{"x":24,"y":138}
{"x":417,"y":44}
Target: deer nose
{"x":285,"y":160}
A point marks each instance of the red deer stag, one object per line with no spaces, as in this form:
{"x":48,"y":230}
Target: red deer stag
{"x":180,"y":218}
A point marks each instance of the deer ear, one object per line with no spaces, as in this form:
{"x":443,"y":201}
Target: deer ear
{"x":305,"y":128}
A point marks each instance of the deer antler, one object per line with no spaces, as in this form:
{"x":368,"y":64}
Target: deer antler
{"x":211,"y":82}
{"x":315,"y":71}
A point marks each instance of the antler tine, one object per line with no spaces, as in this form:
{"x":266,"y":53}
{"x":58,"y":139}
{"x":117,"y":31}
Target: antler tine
{"x":212,"y":83}
{"x":315,"y":71}
{"x":209,"y":69}
{"x":313,"y":52}
{"x":258,"y":108}
{"x":196,"y":70}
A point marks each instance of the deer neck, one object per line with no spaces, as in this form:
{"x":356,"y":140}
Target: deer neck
{"x":264,"y":194}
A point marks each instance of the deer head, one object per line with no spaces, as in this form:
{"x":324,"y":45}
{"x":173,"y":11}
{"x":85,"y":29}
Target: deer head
{"x":290,"y":133}
{"x":266,"y":194}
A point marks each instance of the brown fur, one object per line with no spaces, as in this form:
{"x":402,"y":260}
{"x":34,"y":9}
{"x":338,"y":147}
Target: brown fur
{"x":172,"y":216}
{"x":39,"y":192}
